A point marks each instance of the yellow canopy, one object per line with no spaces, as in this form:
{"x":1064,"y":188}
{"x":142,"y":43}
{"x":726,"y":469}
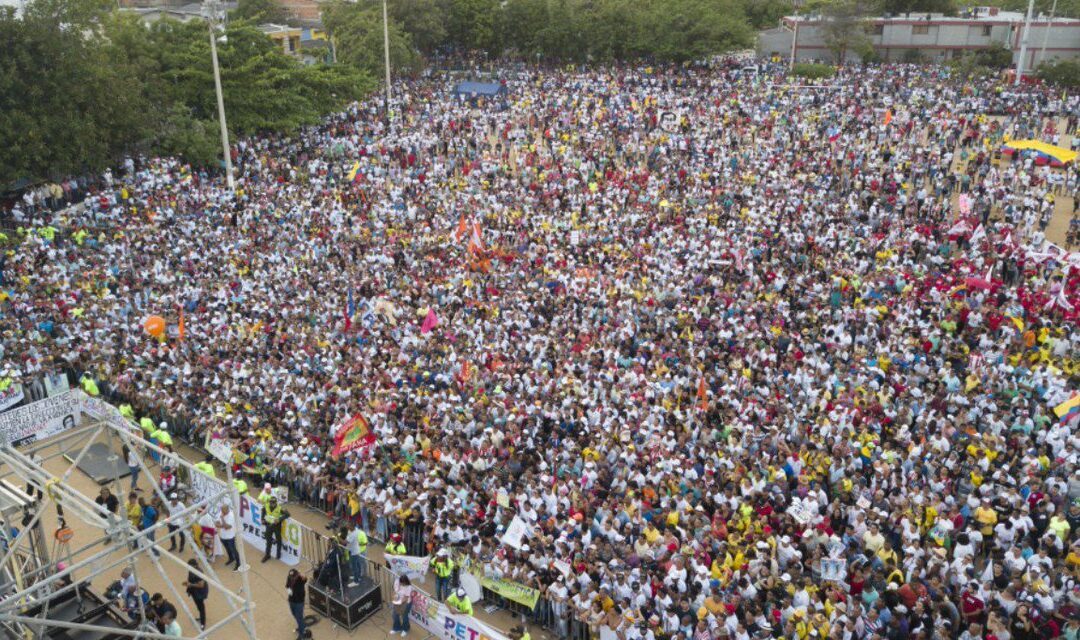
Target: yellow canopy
{"x":1059,"y":153}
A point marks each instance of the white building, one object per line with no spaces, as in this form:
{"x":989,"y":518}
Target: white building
{"x":936,"y":37}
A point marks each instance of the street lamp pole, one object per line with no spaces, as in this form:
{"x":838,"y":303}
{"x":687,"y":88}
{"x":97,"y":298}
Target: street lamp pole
{"x":1024,"y":43}
{"x":212,"y":8}
{"x":386,"y":55}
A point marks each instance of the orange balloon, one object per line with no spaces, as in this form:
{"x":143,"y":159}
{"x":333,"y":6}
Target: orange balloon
{"x":155,"y":326}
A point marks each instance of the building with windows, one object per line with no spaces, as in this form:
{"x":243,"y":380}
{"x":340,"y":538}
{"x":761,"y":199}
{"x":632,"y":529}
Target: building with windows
{"x":931,"y":37}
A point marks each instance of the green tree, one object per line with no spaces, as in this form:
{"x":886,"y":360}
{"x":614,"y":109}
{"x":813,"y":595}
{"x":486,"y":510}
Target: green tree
{"x":472,"y":24}
{"x":262,"y":11}
{"x":897,"y":7}
{"x":424,"y":21}
{"x":357,"y":32}
{"x":1063,"y":73}
{"x":682,"y":30}
{"x":64,"y":107}
{"x":845,"y":28}
{"x":765,"y":14}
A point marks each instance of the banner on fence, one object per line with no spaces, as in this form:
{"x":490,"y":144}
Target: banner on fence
{"x":40,"y":420}
{"x":251,"y":525}
{"x":413,"y":566}
{"x":434,"y":617}
{"x":513,"y":591}
{"x":11,"y":396}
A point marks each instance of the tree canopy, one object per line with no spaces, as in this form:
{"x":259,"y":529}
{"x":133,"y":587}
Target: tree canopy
{"x":80,"y":88}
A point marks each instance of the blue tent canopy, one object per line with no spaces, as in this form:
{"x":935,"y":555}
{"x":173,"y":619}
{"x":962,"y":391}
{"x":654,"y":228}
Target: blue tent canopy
{"x":478,"y":89}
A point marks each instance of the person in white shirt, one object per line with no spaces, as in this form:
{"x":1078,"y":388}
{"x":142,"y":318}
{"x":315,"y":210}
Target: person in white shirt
{"x":177,"y":529}
{"x":402,"y":605}
{"x":226,"y":526}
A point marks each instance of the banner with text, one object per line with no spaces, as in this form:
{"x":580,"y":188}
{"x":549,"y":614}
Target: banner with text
{"x":433,"y":616}
{"x":413,"y":566}
{"x":251,"y":524}
{"x":512,"y":591}
{"x":42,"y":419}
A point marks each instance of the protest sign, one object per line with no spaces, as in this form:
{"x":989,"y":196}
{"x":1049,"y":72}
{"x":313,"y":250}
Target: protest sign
{"x":220,"y":448}
{"x":834,"y":569}
{"x":516,"y":533}
{"x":39,"y":420}
{"x":55,"y":383}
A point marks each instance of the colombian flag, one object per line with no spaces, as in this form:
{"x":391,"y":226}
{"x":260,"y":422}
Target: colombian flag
{"x":355,"y":171}
{"x":1069,"y":409}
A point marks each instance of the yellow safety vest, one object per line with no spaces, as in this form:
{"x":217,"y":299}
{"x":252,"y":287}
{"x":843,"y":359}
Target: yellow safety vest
{"x":89,"y":386}
{"x":241,"y":486}
{"x":395,"y":549}
{"x":147,"y":425}
{"x":460,"y":605}
{"x":272,"y":515}
{"x":127,"y":411}
{"x":443,"y":569}
{"x":206,"y":468}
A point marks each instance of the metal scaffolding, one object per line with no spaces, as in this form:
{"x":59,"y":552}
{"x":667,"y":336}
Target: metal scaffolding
{"x":26,"y":601}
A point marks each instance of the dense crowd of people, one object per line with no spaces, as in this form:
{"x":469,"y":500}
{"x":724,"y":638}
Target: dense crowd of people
{"x":787,"y":368}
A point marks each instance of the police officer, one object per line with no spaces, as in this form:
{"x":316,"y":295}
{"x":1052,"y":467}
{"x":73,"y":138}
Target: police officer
{"x":273,"y":516}
{"x":459,"y":602}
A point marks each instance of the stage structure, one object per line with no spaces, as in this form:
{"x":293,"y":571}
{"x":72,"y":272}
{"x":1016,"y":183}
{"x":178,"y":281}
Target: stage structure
{"x":36,"y":599}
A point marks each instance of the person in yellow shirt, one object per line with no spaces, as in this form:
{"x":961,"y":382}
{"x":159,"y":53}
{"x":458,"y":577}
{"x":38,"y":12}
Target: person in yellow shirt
{"x":987,"y":518}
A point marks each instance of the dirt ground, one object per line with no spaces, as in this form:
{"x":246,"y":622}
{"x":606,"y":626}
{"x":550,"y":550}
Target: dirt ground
{"x":267,"y":581}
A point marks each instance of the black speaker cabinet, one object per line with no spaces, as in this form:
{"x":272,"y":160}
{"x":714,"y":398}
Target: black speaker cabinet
{"x":347,"y":609}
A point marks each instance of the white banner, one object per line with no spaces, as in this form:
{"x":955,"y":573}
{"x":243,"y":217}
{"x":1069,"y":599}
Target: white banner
{"x":471,"y":585}
{"x":11,"y":396}
{"x":203,"y":486}
{"x":413,"y":566}
{"x":516,"y":533}
{"x":40,"y":420}
{"x":437,"y":620}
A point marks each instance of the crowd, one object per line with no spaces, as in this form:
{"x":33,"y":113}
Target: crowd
{"x":785,"y":369}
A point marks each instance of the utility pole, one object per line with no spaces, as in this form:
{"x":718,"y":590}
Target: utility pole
{"x":386,"y":53}
{"x":1024,"y":43}
{"x":1046,"y":32}
{"x":213,"y":9}
{"x":794,"y":43}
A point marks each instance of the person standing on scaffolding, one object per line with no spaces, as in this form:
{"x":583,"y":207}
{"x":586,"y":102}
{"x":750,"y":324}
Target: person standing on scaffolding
{"x":273,"y":517}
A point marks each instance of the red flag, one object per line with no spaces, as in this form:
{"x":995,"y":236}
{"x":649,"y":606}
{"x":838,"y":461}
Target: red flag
{"x":430,"y":322}
{"x":462,"y":229}
{"x":702,"y":394}
{"x":476,"y":242}
{"x":180,"y":328}
{"x":354,"y":434}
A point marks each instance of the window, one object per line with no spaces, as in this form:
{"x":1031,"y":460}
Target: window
{"x":920,"y":30}
{"x":986,"y":30}
{"x":877,"y":30}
